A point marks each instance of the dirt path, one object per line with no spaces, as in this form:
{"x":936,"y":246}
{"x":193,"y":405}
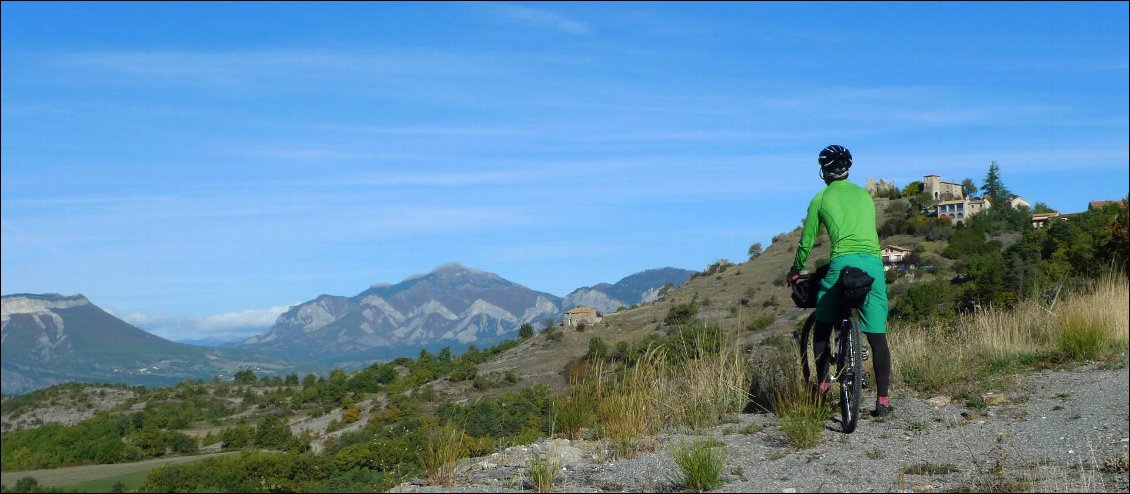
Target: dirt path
{"x":1055,"y":431}
{"x":56,"y":477}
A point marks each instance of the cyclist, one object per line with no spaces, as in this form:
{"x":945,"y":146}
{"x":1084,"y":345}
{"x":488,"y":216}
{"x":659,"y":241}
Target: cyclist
{"x":848,"y":214}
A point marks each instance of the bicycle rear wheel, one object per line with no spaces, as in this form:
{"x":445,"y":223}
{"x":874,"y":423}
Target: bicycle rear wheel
{"x":850,"y":367}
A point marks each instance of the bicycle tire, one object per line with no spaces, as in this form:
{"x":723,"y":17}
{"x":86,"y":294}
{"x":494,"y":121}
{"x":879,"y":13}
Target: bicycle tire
{"x":850,"y":370}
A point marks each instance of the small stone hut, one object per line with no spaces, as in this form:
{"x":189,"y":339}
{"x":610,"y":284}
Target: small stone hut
{"x":582,"y":315}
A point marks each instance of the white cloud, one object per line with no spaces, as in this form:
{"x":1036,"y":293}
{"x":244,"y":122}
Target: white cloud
{"x":227,"y":321}
{"x":143,"y":320}
{"x":541,"y":18}
{"x":226,"y":326}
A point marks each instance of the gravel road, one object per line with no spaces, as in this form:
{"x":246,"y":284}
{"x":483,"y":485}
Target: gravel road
{"x":1053,"y":431}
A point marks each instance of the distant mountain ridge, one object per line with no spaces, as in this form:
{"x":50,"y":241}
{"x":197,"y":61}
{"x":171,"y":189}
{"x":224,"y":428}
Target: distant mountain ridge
{"x":51,"y":338}
{"x":451,"y":306}
{"x":639,"y":288}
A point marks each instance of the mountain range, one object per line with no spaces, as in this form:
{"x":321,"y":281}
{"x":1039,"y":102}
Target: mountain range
{"x":50,"y":338}
{"x":452,"y":306}
{"x":639,"y":288}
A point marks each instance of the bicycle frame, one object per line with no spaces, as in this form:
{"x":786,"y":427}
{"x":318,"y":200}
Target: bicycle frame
{"x":848,"y":359}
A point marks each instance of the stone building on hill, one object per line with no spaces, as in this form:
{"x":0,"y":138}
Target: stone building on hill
{"x":941,"y":190}
{"x":577,"y":316}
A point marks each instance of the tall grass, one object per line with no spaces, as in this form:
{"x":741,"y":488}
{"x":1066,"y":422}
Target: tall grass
{"x":443,"y":448}
{"x":630,"y":403}
{"x":694,"y":384}
{"x":1090,"y":324}
{"x":1096,"y":324}
{"x":574,"y":411}
{"x":701,"y":464}
{"x":543,"y":472}
{"x":802,"y":415}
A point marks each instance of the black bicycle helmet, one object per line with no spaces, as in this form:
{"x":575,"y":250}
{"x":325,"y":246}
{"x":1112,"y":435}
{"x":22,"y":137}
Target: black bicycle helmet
{"x":835,"y":160}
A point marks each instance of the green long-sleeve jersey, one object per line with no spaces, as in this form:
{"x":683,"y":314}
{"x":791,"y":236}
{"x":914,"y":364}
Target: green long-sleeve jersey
{"x":848,"y":213}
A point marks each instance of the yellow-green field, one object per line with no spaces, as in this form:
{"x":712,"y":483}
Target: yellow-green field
{"x":90,"y":478}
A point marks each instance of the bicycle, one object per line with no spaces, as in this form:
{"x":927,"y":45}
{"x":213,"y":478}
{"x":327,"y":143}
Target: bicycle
{"x":848,"y":353}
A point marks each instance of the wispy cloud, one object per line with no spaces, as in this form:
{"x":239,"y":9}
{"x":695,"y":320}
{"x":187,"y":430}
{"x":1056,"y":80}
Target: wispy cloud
{"x":228,"y":321}
{"x":226,"y":326}
{"x":279,"y":69}
{"x":540,"y":18}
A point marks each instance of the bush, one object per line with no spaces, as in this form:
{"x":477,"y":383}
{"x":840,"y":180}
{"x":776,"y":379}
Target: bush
{"x":543,"y":473}
{"x":443,"y":448}
{"x":801,"y":414}
{"x":574,"y":412}
{"x":681,"y":314}
{"x":464,"y":371}
{"x":754,"y":251}
{"x":761,"y":322}
{"x":701,"y":464}
{"x":245,"y":377}
{"x":598,"y":349}
{"x":936,"y":300}
{"x":526,"y":331}
{"x":1082,"y":342}
{"x":695,"y":341}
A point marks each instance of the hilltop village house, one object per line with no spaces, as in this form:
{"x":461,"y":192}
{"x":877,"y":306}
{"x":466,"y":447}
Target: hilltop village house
{"x":960,"y":209}
{"x":941,"y":190}
{"x":952,"y":201}
{"x":1041,"y":220}
{"x":893,"y":254}
{"x":577,"y":316}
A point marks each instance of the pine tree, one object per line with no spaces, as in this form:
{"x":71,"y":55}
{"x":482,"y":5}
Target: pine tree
{"x":994,"y":188}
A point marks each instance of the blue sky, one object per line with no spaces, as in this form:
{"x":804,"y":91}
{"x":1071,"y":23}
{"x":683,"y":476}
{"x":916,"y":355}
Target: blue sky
{"x":196,"y":168}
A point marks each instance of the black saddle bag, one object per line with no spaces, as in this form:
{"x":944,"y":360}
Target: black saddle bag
{"x":855,"y":284}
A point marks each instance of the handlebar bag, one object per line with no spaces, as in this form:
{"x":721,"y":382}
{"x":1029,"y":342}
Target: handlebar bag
{"x":804,"y":291}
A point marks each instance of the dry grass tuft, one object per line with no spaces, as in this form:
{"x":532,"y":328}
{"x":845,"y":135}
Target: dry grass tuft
{"x":1088,"y":325}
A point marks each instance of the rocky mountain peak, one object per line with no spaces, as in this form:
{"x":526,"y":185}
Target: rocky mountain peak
{"x":27,"y":303}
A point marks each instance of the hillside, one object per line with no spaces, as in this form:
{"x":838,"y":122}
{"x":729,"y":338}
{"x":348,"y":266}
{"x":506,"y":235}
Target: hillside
{"x":51,"y":338}
{"x":719,"y":290}
{"x":621,"y":397}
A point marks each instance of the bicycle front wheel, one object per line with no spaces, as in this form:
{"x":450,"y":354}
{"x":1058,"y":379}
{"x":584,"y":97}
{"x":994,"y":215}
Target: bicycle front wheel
{"x":851,"y":372}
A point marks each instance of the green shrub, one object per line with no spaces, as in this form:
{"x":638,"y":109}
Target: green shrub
{"x":573,"y":412}
{"x":695,"y":341}
{"x":761,"y":322}
{"x":801,"y":414}
{"x":464,"y":371}
{"x":1082,"y":342}
{"x":543,"y":473}
{"x":443,"y":447}
{"x":681,"y":314}
{"x":598,"y":349}
{"x":526,"y":331}
{"x":701,"y":464}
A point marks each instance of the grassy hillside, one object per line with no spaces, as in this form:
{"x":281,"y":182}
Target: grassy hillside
{"x":685,"y":363}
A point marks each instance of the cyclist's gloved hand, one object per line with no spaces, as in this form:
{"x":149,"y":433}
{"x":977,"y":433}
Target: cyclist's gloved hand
{"x":791,"y":277}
